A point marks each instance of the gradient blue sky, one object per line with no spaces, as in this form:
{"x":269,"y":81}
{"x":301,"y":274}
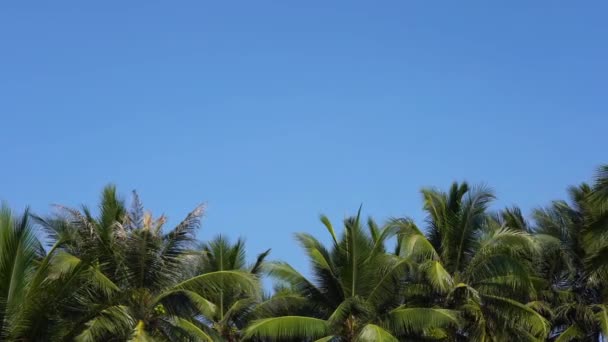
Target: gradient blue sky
{"x":273,"y":112}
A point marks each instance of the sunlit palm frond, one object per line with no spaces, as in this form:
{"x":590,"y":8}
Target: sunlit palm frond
{"x":572,"y":333}
{"x":139,"y":334}
{"x":412,"y":242}
{"x":374,"y":333}
{"x":327,"y":223}
{"x":214,"y":282}
{"x":288,"y":327}
{"x":404,"y":320}
{"x":436,"y":275}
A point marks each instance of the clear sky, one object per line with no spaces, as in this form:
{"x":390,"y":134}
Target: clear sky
{"x":275,"y":112}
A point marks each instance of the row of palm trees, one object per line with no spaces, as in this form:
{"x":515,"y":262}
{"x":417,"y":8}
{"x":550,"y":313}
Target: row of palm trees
{"x":466,"y":274}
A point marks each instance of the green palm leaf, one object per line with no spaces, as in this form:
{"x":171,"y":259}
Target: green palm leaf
{"x":602,"y":318}
{"x":192,"y":329}
{"x":18,"y":253}
{"x":279,"y":304}
{"x":215,"y":282}
{"x":112,"y":321}
{"x":288,"y":274}
{"x":139,"y":334}
{"x":437,"y":276}
{"x":373,"y":333}
{"x":287,"y":327}
{"x":571,"y":333}
{"x":405,"y":320}
{"x":518,"y":313}
{"x":203,"y":305}
{"x":66,"y":265}
{"x":390,"y":275}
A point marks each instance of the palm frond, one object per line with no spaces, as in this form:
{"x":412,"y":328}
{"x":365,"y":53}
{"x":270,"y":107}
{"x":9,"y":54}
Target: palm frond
{"x":519,"y":314}
{"x":139,"y":334}
{"x":437,"y":276}
{"x":388,"y":280}
{"x":257,"y":267}
{"x":192,"y":329}
{"x":284,"y":272}
{"x":374,"y":333}
{"x":112,"y":213}
{"x":571,"y":333}
{"x":327,"y":223}
{"x":181,"y":238}
{"x":204,"y":306}
{"x":405,"y":320}
{"x":351,"y":307}
{"x":214,"y":282}
{"x":136,"y":213}
{"x":280,"y":305}
{"x":602,"y":318}
{"x":287,"y":327}
{"x":112,"y":321}
{"x":18,"y":251}
{"x":412,"y":242}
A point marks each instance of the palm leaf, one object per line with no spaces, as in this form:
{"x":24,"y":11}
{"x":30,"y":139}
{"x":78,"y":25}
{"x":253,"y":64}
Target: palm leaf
{"x":602,"y":318}
{"x":180,"y":238}
{"x":213,"y":283}
{"x":571,"y":333}
{"x":112,"y":321}
{"x":283,"y":271}
{"x":287,"y":327}
{"x":437,"y":276}
{"x":66,"y":265}
{"x":373,"y":333}
{"x":203,"y":305}
{"x":412,"y":242}
{"x":18,"y":251}
{"x":405,"y":320}
{"x":192,"y":329}
{"x":139,"y":334}
{"x":280,"y":304}
{"x":257,"y":267}
{"x":327,"y":223}
{"x":390,"y":276}
{"x":518,"y":313}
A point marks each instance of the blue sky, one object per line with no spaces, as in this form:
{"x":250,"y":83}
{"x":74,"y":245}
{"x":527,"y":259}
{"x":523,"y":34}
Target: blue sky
{"x":275,"y":112}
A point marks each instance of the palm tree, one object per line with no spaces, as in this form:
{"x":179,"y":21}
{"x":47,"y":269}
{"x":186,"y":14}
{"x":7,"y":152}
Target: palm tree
{"x":355,"y":294}
{"x":146,"y":293}
{"x":233,"y":306}
{"x":574,"y":261}
{"x":474,"y":264}
{"x":33,"y":287}
{"x":19,"y":251}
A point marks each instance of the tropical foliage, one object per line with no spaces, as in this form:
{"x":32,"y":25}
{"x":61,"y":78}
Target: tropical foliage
{"x":468,"y":272}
